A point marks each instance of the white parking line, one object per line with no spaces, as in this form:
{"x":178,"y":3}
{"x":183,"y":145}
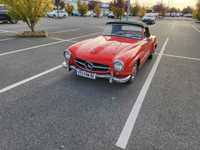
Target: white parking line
{"x":68,"y":30}
{"x":55,"y":38}
{"x":1,"y":40}
{"x":44,"y":45}
{"x":30,"y":48}
{"x":29,"y":79}
{"x":7,"y":31}
{"x":181,"y":57}
{"x":59,"y":39}
{"x":195,"y":28}
{"x":130,"y":123}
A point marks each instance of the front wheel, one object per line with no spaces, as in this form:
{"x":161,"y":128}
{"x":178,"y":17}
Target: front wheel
{"x":134,"y":72}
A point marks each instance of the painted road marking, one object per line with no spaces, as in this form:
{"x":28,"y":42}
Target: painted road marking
{"x":7,"y":31}
{"x":30,"y":48}
{"x":68,"y":30}
{"x":181,"y":57}
{"x":129,"y":125}
{"x":1,"y":40}
{"x":195,"y":28}
{"x":29,"y":79}
{"x":48,"y":44}
{"x":59,"y":39}
{"x":55,"y":38}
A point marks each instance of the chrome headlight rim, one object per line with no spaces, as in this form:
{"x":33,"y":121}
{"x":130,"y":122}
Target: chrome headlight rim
{"x":118,"y":62}
{"x":67,"y":54}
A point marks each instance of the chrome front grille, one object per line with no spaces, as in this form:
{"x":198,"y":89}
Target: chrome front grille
{"x":91,"y":65}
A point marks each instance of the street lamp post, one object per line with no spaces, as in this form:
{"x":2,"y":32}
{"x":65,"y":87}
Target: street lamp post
{"x":128,"y":9}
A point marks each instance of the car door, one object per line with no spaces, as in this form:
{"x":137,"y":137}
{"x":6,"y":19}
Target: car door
{"x":148,"y":43}
{"x":148,"y":47}
{"x":144,"y":51}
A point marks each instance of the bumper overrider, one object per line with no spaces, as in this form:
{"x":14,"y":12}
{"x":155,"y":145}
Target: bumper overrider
{"x":105,"y":76}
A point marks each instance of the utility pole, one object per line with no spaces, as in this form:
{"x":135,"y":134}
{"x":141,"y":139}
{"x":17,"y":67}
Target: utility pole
{"x":128,"y":9}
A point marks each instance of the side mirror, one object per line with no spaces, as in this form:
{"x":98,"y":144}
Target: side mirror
{"x":147,"y":34}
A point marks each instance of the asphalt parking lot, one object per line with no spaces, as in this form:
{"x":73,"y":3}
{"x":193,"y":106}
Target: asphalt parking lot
{"x":43,"y":107}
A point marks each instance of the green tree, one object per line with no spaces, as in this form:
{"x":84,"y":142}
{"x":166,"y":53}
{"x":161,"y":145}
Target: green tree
{"x":187,"y":10}
{"x":160,"y":8}
{"x":198,"y":10}
{"x":194,"y":13}
{"x":62,"y":5}
{"x":142,"y":11}
{"x":118,"y":8}
{"x":82,"y":8}
{"x":97,"y":10}
{"x":92,"y":5}
{"x":69,"y":9}
{"x":29,"y":11}
{"x":111,"y":5}
{"x":135,"y":9}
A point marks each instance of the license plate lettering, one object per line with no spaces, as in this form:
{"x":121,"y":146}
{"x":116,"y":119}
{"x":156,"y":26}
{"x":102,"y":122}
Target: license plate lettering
{"x":85,"y":74}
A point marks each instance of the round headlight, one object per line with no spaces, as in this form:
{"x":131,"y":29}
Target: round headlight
{"x":118,"y":65}
{"x":67,"y":54}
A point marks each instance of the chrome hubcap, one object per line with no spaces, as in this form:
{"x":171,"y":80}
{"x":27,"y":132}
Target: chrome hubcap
{"x":134,"y":72}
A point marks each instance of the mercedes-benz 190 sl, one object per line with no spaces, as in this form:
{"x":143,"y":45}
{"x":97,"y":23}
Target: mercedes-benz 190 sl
{"x":116,"y":55}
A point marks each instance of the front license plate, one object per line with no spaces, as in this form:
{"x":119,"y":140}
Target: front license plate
{"x":86,"y":74}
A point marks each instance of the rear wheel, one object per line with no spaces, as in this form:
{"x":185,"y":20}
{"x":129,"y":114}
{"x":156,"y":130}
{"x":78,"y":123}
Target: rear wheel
{"x":150,"y":56}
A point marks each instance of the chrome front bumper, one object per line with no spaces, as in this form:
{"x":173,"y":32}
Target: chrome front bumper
{"x":106,"y":76}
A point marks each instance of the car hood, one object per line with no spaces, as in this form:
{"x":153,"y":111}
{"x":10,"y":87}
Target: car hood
{"x":103,"y":48}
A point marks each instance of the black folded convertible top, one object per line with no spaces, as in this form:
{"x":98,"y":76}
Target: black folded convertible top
{"x":134,"y":23}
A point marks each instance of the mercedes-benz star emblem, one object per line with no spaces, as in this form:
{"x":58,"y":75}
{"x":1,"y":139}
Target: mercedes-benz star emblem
{"x":89,"y":66}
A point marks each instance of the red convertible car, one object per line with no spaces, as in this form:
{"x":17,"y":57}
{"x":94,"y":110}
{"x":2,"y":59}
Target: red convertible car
{"x":116,"y":55}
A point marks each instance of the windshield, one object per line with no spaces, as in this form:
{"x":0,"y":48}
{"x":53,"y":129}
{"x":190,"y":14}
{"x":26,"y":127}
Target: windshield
{"x":128,"y":31}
